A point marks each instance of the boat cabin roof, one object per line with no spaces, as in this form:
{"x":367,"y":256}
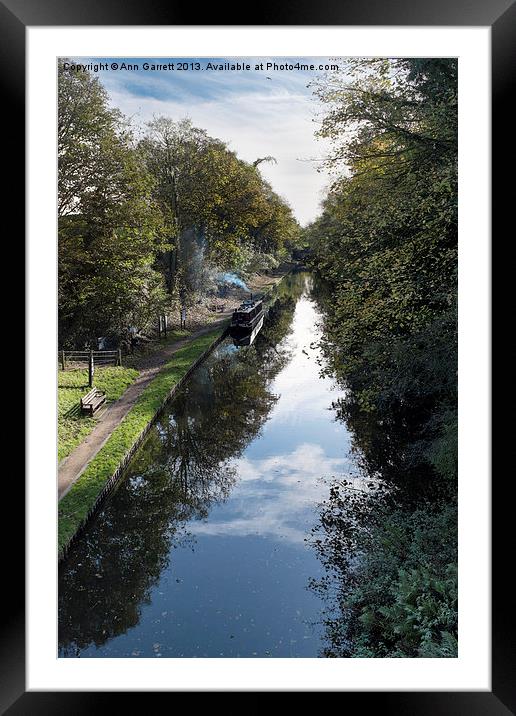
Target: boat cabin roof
{"x":248,"y":306}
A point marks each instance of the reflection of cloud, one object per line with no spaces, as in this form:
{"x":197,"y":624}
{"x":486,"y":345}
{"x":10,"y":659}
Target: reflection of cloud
{"x":306,"y":461}
{"x":276,"y":495}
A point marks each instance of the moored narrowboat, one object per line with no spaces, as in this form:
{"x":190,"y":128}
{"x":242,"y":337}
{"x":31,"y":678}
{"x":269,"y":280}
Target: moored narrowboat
{"x":246,"y":317}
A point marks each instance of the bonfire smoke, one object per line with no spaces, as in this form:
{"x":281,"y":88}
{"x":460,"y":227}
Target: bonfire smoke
{"x":231,"y":278}
{"x":199,"y":276}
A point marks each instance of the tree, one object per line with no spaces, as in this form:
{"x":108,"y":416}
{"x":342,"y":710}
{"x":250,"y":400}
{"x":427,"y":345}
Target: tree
{"x":218,"y":208}
{"x":260,"y":160}
{"x":387,"y":239}
{"x":109,"y":225}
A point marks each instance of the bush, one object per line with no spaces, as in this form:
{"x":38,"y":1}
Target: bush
{"x":393,"y":585}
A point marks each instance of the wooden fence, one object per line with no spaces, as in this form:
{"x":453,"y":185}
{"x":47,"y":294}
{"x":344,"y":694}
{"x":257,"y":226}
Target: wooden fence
{"x":75,"y":359}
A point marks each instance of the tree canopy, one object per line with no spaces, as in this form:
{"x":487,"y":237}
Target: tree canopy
{"x":142,"y":221}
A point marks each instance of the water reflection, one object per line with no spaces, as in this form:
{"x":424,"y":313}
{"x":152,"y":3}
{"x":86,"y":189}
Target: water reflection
{"x":201,"y":551}
{"x":277,"y":494}
{"x":387,"y":542}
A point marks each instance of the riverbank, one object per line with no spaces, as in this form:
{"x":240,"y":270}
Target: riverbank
{"x":102,"y":472}
{"x":90,"y":434}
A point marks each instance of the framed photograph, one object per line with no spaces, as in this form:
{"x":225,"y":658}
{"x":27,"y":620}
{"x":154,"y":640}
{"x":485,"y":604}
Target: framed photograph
{"x":261,"y":255}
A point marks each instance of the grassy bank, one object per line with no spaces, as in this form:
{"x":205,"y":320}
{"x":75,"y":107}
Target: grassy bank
{"x":76,"y":504}
{"x":72,"y":427}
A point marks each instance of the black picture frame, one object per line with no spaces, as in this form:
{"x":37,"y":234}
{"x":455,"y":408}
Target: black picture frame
{"x":500,"y":15}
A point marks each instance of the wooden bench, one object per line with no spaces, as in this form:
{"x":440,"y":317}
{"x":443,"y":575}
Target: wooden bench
{"x":92,"y":401}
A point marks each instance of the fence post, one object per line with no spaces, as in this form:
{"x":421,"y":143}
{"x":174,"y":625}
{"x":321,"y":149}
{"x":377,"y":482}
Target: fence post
{"x":159,"y":326}
{"x":165,"y":325}
{"x":91,"y":369}
{"x":63,"y":360}
{"x":120,"y":356}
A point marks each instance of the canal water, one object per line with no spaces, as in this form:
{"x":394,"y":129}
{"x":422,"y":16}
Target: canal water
{"x":201,"y":551}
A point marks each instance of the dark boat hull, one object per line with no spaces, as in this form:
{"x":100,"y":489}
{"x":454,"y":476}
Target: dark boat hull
{"x":241,"y":328}
{"x":246,"y":338}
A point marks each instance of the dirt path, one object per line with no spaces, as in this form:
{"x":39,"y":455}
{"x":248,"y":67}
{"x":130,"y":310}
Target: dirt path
{"x":72,"y":466}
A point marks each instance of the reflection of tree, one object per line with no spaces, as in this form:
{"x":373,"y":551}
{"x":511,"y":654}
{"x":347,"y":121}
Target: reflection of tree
{"x":386,"y":444}
{"x":339,"y":539}
{"x":112,"y":568}
{"x":387,"y":441}
{"x":183,"y":468}
{"x":388,"y":544}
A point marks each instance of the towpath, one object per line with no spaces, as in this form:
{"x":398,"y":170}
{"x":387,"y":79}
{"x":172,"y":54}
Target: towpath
{"x":72,"y":466}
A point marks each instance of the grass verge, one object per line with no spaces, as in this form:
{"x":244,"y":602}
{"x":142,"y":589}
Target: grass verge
{"x":72,"y":427}
{"x":76,"y":504}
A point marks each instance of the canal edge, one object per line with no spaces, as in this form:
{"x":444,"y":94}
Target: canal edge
{"x":118,"y":474}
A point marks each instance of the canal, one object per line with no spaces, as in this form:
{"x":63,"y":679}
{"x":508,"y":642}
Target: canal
{"x":201,"y":551}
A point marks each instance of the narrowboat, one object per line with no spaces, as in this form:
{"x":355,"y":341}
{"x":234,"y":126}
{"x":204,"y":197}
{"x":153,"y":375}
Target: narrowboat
{"x":246,"y":317}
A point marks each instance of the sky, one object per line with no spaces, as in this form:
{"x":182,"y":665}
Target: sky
{"x":258,"y":113}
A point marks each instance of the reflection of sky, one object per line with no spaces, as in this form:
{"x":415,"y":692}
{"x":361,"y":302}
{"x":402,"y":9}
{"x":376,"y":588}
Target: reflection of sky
{"x":303,"y":413}
{"x":304,"y":393}
{"x":275,"y":497}
{"x":227,"y":597}
{"x":280,"y":472}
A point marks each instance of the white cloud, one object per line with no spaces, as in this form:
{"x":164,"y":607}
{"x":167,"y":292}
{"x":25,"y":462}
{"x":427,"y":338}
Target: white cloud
{"x":276,"y":120}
